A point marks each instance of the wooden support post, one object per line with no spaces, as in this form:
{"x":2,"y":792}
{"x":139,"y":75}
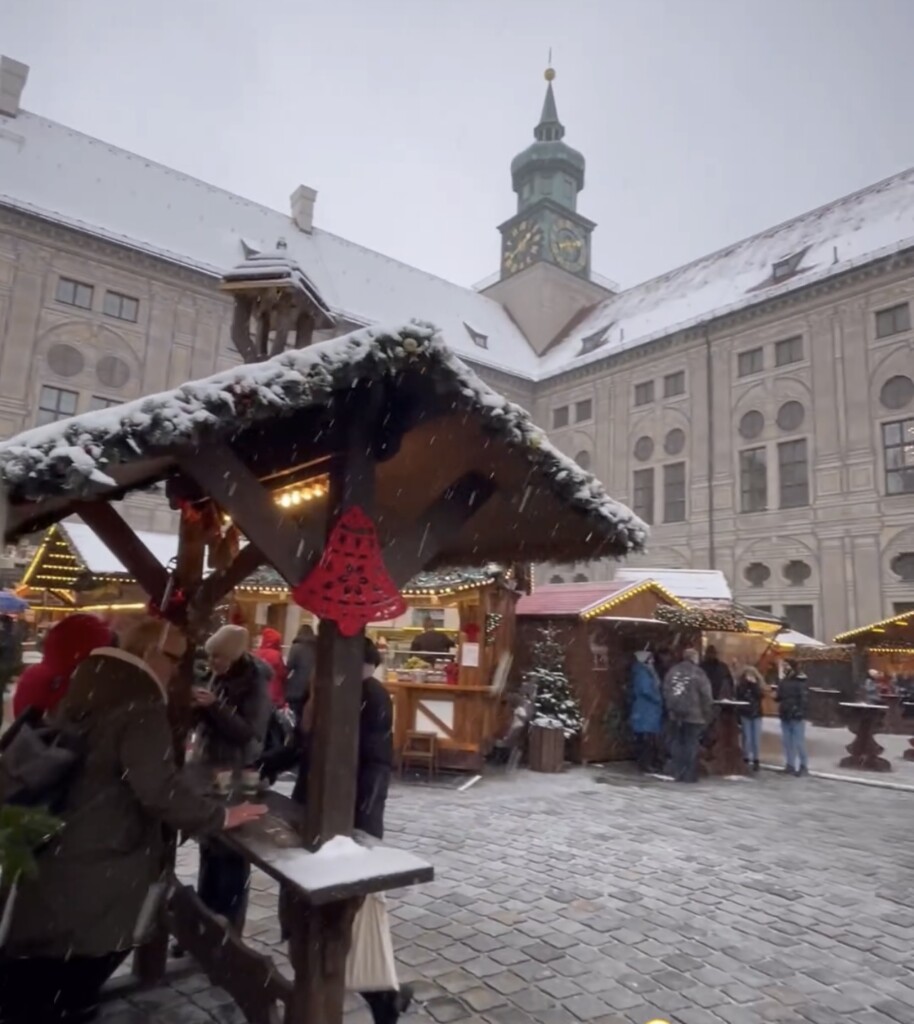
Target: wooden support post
{"x":223,"y":581}
{"x":338,"y":674}
{"x":222,"y":475}
{"x":130,"y":551}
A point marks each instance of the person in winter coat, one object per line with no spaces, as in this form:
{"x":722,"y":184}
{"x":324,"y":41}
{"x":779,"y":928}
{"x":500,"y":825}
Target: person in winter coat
{"x":751,"y":690}
{"x":300,"y":665}
{"x":270,"y":653}
{"x":719,"y":675}
{"x":646,"y":715}
{"x":792,"y":699}
{"x":232,"y":715}
{"x":67,"y":644}
{"x":72,"y":925}
{"x":688,"y":701}
{"x":375,"y":763}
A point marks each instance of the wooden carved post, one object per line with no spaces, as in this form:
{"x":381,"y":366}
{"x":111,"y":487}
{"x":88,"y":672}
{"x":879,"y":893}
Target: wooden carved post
{"x":319,"y":940}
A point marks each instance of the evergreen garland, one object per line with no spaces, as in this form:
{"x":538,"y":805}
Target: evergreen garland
{"x":555,"y":704}
{"x":703,"y":620}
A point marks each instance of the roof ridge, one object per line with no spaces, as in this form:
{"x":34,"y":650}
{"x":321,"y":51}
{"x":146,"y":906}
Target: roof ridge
{"x":769,"y":231}
{"x":253,"y":203}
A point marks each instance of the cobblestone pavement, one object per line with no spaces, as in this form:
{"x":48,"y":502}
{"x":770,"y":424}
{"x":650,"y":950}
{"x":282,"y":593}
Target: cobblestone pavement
{"x":559,"y":899}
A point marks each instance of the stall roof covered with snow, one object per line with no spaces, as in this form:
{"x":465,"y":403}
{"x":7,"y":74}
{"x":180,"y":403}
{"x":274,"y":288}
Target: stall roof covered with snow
{"x":442,"y":429}
{"x":586,"y":601}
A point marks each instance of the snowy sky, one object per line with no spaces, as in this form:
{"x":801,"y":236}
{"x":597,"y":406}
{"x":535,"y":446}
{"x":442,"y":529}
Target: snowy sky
{"x":702,"y":121}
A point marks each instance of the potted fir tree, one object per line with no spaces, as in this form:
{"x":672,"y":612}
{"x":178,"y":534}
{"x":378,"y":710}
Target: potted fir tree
{"x":557,"y":712}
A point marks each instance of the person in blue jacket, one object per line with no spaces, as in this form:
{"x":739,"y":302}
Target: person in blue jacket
{"x":646,"y":715}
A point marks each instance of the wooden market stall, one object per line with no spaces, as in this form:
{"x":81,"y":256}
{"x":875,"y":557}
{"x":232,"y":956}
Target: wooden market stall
{"x":455,"y":698}
{"x":424,"y":466}
{"x":600,"y":626}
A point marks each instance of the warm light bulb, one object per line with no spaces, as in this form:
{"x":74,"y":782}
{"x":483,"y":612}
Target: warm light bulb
{"x":285,"y":501}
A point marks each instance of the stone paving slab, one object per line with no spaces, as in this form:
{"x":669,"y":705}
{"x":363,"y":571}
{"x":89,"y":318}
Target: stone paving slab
{"x":559,"y":899}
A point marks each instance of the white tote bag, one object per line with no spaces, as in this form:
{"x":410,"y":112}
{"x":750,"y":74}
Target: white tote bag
{"x":370,"y":966}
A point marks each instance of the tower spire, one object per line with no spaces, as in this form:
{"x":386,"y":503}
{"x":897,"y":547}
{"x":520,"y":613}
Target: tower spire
{"x":550,"y":128}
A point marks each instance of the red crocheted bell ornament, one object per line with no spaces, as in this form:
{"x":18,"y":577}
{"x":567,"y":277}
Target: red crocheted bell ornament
{"x":350,"y":586}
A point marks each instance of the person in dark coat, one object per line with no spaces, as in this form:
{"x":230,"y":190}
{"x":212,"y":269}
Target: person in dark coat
{"x":300,"y":666}
{"x":720,"y":676}
{"x":646,"y":714}
{"x":233,"y":714}
{"x":74,"y":923}
{"x":374,"y":767}
{"x":750,"y":689}
{"x":792,"y":700}
{"x":431,"y":640}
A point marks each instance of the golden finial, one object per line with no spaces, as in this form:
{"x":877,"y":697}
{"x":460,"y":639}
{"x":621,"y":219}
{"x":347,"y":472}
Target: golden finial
{"x":549,"y":73}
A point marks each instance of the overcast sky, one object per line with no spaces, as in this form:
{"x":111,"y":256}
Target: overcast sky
{"x":702,"y":121}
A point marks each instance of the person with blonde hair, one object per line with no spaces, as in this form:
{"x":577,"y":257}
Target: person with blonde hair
{"x":750,"y":689}
{"x":73,"y":924}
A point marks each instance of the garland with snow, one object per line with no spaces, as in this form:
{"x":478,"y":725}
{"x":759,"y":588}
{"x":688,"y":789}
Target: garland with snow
{"x":808,"y":653}
{"x":703,"y":620}
{"x":71,"y":457}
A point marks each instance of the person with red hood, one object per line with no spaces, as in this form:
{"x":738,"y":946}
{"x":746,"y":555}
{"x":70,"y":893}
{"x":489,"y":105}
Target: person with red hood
{"x":66,"y":646}
{"x":270,"y":652}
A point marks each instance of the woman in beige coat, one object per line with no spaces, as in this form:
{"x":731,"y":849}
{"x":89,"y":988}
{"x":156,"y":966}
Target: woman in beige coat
{"x":74,"y":924}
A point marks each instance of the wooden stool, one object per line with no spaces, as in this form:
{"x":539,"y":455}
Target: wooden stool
{"x":420,"y":748}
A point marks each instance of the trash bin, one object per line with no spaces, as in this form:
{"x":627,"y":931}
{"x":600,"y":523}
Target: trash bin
{"x":547,"y":748}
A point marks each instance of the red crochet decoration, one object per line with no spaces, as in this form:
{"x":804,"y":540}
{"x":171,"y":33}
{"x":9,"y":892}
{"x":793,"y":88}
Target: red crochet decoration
{"x":175,"y":606}
{"x":350,"y":586}
{"x":471,"y":632}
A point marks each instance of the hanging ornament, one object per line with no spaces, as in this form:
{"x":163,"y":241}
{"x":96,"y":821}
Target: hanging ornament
{"x":350,"y":585}
{"x":471,"y":632}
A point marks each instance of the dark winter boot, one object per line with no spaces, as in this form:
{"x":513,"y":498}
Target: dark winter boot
{"x":755,"y":766}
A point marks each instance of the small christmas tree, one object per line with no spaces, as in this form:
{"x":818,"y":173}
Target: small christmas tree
{"x":555,"y":703}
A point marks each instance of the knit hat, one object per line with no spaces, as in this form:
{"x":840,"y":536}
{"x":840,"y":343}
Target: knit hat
{"x":229,"y":642}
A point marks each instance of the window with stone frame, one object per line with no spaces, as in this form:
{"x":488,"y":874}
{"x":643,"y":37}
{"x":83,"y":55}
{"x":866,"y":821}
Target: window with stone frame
{"x":560,"y":417}
{"x":757,"y":574}
{"x":898,"y":450}
{"x":753,"y":480}
{"x":644,"y":393}
{"x":643,"y":494}
{"x":674,"y":384}
{"x":897,"y":392}
{"x":801,"y":617}
{"x":793,"y":474}
{"x":55,"y":404}
{"x":797,"y":572}
{"x":583,"y":410}
{"x":788,"y":350}
{"x":583,"y":459}
{"x":902,"y":566}
{"x":74,"y":293}
{"x":580,"y":578}
{"x":750,"y":361}
{"x":121,"y":307}
{"x":674,"y":492}
{"x":900,"y":607}
{"x":893,"y":320}
{"x":556,"y":579}
{"x":97,"y":402}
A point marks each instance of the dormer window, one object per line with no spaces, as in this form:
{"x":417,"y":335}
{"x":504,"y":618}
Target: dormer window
{"x":477,"y":337}
{"x":594,"y":341}
{"x":782,"y":269}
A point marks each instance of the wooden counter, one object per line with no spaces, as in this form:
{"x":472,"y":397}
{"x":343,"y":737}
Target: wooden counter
{"x":464,"y":718}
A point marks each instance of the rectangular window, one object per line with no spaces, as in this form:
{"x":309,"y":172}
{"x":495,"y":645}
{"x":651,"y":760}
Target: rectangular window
{"x":643,"y":495}
{"x":788,"y":351}
{"x":898,"y":448}
{"x":583,"y":410}
{"x":121,"y":307}
{"x":752,"y":361}
{"x":55,"y":404}
{"x":74,"y":293}
{"x":801,"y":618}
{"x":644,"y":393}
{"x":560,"y":417}
{"x":793,"y":474}
{"x":674,"y":493}
{"x":435,"y":614}
{"x":900,"y":607}
{"x":753,"y":480}
{"x":97,"y":402}
{"x":894,"y":320}
{"x":674,"y":384}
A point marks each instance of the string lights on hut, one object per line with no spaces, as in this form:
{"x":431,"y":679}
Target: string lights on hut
{"x":624,"y":595}
{"x":301,"y":494}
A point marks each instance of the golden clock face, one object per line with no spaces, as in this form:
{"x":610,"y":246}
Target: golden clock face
{"x":568,"y":245}
{"x":523,"y":246}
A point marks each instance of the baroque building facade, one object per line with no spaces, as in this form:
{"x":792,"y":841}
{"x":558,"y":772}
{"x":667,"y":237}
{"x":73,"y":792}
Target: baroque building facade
{"x":755,"y":407}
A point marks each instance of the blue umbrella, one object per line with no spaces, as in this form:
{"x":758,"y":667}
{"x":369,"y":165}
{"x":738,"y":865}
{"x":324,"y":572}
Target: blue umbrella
{"x":10,"y":604}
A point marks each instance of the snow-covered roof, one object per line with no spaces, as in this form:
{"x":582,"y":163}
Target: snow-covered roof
{"x":585,"y":599}
{"x":541,"y":494}
{"x":98,"y":559}
{"x":687,"y":584}
{"x":87,"y":184}
{"x":876,"y":221}
{"x":794,"y":639}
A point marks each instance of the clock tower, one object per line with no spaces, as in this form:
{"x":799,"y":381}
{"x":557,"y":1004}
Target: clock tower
{"x":547,"y":177}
